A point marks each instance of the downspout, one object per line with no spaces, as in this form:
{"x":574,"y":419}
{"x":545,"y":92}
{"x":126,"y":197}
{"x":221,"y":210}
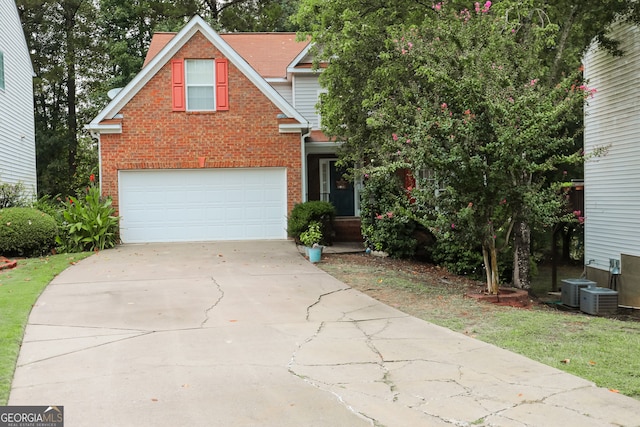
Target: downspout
{"x":303,"y":153}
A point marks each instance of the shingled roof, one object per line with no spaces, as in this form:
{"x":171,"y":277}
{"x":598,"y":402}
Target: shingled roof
{"x":268,"y":53}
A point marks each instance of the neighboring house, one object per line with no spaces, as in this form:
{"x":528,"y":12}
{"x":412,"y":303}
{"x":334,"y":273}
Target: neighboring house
{"x":17,"y":129}
{"x":217,"y":138}
{"x":612,"y":179}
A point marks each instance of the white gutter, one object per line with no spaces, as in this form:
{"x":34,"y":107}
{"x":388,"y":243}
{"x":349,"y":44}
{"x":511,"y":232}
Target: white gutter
{"x":95,"y":128}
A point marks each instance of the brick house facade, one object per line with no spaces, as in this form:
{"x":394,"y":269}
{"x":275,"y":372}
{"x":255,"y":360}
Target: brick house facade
{"x":192,"y":153}
{"x":156,"y":137}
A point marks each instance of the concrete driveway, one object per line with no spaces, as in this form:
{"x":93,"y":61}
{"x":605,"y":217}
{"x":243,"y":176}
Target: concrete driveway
{"x":251,"y":334}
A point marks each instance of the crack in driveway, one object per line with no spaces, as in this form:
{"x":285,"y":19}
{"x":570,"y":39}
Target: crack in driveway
{"x":321,"y":296}
{"x":215,"y":304}
{"x":345,"y":357}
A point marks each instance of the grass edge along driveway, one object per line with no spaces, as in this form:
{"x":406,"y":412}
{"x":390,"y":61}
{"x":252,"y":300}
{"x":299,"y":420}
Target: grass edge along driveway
{"x":20,"y":287}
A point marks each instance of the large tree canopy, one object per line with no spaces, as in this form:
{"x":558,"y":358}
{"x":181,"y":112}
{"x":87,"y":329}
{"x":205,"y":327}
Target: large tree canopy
{"x":478,"y":118}
{"x":482,"y":99}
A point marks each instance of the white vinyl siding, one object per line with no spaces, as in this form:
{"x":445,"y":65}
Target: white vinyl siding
{"x":17,"y":129}
{"x":612,"y":180}
{"x":305,"y":97}
{"x":284,"y":89}
{"x":200,"y":84}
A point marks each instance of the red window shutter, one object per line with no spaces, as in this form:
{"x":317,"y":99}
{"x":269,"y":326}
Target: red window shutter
{"x":222,"y":84}
{"x":177,"y":84}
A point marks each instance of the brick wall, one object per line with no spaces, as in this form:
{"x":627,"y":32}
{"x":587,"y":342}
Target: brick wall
{"x":155,"y":137}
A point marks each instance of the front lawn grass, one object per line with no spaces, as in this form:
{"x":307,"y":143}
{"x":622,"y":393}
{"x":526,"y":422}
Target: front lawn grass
{"x":19,"y":289}
{"x":603,"y":350}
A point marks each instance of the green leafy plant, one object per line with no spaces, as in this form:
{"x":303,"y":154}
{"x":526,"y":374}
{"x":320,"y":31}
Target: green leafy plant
{"x":303,"y":214}
{"x":89,"y":223}
{"x":312,"y":236}
{"x":26,"y":232}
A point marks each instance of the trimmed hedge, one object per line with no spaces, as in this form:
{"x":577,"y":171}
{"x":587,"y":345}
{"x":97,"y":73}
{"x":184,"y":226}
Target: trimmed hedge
{"x":305,"y":213}
{"x":26,"y":232}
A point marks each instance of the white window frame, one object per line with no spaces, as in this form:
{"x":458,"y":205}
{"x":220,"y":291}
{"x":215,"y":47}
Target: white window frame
{"x":325,"y":189}
{"x":187,"y":84}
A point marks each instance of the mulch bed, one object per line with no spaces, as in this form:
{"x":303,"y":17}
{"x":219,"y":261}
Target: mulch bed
{"x":6,"y":263}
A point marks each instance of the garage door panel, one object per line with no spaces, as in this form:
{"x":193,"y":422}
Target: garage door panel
{"x":202,"y":204}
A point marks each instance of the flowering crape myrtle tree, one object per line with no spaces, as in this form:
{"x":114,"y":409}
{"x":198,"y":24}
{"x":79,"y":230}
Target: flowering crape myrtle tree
{"x":478,"y":117}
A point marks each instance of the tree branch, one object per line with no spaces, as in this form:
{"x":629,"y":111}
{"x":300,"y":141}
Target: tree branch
{"x":562,"y":43}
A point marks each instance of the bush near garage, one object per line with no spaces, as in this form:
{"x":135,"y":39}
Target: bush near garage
{"x":303,"y":214}
{"x":26,"y":232}
{"x":88,"y":222}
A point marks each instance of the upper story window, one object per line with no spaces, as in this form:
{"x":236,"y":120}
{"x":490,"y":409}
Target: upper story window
{"x":200,"y":84}
{"x":1,"y":70}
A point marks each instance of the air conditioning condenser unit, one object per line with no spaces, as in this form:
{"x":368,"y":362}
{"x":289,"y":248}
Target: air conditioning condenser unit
{"x":598,"y":301}
{"x":571,"y":290}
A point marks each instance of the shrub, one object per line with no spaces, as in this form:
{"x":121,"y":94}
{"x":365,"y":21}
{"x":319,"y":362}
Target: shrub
{"x":50,"y":205}
{"x":303,"y":214}
{"x":26,"y":232}
{"x":393,"y":232}
{"x":387,"y":222}
{"x":12,"y":195}
{"x":89,"y":223}
{"x":459,"y":258}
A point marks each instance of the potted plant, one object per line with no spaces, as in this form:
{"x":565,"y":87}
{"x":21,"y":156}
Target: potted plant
{"x":311,"y":238}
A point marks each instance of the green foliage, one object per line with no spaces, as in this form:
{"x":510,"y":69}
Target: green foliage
{"x":26,"y":232}
{"x":51,"y":206}
{"x":459,"y":257}
{"x":393,"y":233}
{"x":12,"y":195}
{"x":488,"y":101}
{"x":385,"y":214}
{"x":312,"y":235}
{"x":259,"y":16}
{"x":303,"y":214}
{"x":89,"y":223}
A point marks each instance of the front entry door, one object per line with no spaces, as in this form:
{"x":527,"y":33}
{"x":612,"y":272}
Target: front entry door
{"x":341,"y":193}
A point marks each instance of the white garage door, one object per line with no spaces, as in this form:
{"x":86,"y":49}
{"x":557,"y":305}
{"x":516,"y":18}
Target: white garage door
{"x":202,"y":204}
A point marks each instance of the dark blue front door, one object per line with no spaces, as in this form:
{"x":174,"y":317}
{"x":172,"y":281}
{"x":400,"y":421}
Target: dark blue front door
{"x":341,"y":192}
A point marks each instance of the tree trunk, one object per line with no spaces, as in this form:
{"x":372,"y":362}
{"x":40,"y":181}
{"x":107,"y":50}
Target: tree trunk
{"x":521,"y":255}
{"x":71,"y":10}
{"x":490,"y":256}
{"x":562,"y":43}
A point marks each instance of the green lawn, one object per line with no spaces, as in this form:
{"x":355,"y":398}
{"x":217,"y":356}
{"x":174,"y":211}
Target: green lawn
{"x":19,"y":289}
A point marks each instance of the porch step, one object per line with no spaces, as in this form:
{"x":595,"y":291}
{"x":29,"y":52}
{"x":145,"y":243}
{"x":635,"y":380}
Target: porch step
{"x":347,"y":229}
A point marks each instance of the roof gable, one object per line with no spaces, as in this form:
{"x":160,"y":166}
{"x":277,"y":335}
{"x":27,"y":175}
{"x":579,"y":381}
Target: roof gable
{"x":166,"y":47}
